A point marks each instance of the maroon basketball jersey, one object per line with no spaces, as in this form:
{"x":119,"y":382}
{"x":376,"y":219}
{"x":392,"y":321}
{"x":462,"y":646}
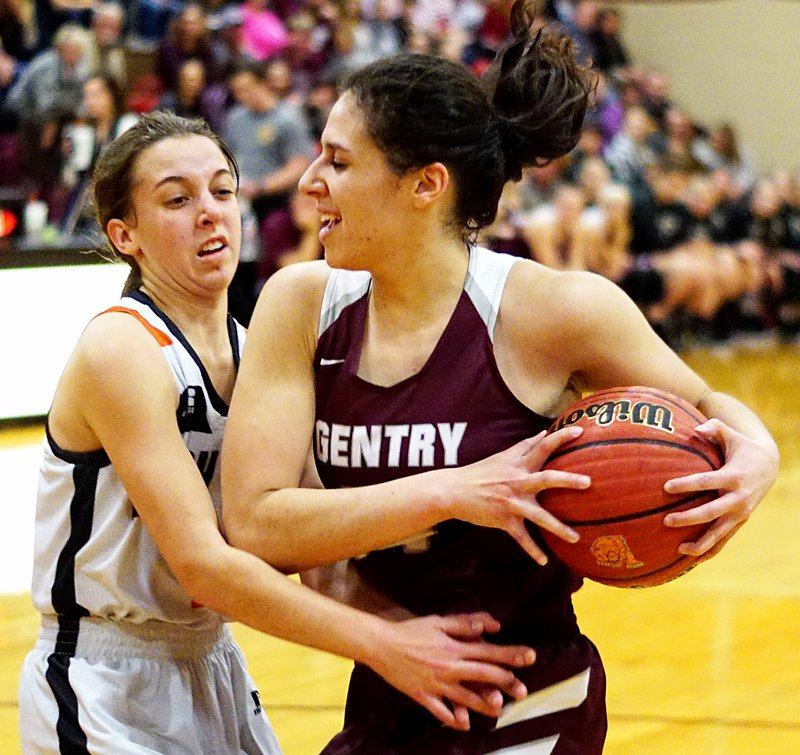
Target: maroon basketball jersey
{"x":456,"y":410}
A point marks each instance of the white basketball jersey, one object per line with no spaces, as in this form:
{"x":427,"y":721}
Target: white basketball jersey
{"x":93,"y":555}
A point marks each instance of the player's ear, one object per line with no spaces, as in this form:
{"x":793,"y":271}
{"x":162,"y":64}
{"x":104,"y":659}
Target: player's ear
{"x":119,"y":232}
{"x":430,"y":184}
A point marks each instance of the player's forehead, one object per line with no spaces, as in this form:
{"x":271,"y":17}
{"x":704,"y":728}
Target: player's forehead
{"x":346,"y":127}
{"x":185,"y":157}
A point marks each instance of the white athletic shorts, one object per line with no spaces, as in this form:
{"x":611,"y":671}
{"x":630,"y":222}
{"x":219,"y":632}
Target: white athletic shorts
{"x":116,"y":688}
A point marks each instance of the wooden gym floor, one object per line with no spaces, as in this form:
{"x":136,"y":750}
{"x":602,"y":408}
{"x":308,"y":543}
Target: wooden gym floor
{"x":706,"y":665}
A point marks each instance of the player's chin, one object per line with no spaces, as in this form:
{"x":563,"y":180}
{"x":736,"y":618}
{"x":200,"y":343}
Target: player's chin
{"x":339,"y":260}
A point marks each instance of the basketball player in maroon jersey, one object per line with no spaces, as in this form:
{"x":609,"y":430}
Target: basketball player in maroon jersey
{"x":393,"y":371}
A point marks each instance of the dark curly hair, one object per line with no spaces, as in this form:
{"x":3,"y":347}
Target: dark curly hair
{"x":527,"y":108}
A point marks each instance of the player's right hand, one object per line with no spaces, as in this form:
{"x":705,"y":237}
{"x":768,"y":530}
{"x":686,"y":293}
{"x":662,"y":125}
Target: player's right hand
{"x":444,"y":664}
{"x":500,"y":491}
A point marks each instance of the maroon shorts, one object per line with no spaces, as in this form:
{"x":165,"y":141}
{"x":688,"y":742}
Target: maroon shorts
{"x":569,"y":720}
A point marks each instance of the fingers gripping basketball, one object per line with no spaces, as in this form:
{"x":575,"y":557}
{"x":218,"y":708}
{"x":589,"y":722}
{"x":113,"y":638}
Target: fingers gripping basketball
{"x":634,"y":439}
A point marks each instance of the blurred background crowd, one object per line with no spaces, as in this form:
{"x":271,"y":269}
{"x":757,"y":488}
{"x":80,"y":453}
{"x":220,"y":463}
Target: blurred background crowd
{"x":671,"y":209}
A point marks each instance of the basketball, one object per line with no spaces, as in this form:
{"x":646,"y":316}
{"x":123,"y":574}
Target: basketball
{"x":634,"y":439}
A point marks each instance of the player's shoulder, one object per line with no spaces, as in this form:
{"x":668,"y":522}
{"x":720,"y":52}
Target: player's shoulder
{"x":116,"y":363}
{"x":117,"y":339}
{"x":293,"y":297}
{"x":305,"y":280}
{"x":557,"y":295}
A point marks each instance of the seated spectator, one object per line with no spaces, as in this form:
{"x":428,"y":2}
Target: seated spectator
{"x":310,"y":44}
{"x":318,"y":103}
{"x":675,"y":144}
{"x":610,"y":51}
{"x":629,"y":154}
{"x":103,"y":118}
{"x":194,"y":97}
{"x":582,"y":27}
{"x":656,"y":96}
{"x":766,"y":217}
{"x":375,"y":37}
{"x":224,"y":25}
{"x":732,"y":205}
{"x":281,"y":78}
{"x":589,"y":146}
{"x":560,"y":234}
{"x":713,"y":216}
{"x":145,"y":93}
{"x":263,"y":33}
{"x":660,"y":219}
{"x":540,"y":183}
{"x":592,"y":178}
{"x":488,"y":36}
{"x":340,"y":61}
{"x":608,"y":112}
{"x":611,"y":257}
{"x":108,"y":51}
{"x":791,"y":214}
{"x":721,"y":149}
{"x":505,"y":233}
{"x":188,"y":38}
{"x":404,"y":20}
{"x":46,"y":96}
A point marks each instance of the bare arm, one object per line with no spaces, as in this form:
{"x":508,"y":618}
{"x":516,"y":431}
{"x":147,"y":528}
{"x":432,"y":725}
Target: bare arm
{"x":98,"y":404}
{"x":751,"y":467}
{"x":594,"y":337}
{"x":269,"y":434}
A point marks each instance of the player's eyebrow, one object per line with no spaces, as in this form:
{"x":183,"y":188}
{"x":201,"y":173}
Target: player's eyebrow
{"x":335,"y":146}
{"x":184,"y":179}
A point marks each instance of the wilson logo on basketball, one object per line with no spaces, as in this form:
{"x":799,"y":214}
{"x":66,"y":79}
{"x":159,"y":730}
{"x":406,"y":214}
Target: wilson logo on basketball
{"x":657,"y":416}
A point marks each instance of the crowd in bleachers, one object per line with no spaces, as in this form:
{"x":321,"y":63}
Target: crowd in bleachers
{"x":671,"y":209}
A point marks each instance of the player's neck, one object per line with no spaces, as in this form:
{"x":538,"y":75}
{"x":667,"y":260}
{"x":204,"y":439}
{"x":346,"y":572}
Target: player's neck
{"x":421,"y":287}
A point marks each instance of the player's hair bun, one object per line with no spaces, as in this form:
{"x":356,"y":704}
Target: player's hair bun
{"x":539,"y":92}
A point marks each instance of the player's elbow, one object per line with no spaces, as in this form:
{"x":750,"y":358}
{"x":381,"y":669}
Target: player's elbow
{"x":202,"y":576}
{"x":241,"y":532}
{"x":254,"y":536}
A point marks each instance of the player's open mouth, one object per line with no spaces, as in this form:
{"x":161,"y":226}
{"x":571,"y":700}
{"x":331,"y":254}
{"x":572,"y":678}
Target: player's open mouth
{"x":327,"y":222}
{"x":212,"y":246}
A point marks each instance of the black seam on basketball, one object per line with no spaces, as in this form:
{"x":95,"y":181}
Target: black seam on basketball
{"x":634,"y":516}
{"x":635,"y":575}
{"x":640,"y":441}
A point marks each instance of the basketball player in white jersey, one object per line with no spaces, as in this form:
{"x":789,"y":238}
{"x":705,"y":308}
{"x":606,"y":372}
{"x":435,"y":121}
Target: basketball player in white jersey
{"x":132,"y":575}
{"x":413,"y":350}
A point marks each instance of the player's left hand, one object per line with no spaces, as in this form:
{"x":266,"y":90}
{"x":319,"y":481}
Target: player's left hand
{"x":750,"y":468}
